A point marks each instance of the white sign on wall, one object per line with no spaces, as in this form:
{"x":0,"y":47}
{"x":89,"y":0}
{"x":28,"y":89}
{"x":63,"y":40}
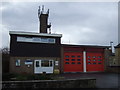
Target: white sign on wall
{"x":27,"y":62}
{"x":56,"y":63}
{"x":35,"y":39}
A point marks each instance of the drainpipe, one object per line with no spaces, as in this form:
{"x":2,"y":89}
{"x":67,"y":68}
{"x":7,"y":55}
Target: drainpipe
{"x":112,"y":47}
{"x":84,"y":61}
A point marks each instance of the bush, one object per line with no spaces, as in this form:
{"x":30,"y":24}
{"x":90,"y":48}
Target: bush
{"x":42,"y":77}
{"x":23,"y":77}
{"x":7,"y":76}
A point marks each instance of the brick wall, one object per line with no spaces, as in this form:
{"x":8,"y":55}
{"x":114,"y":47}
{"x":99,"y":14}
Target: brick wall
{"x":23,"y":69}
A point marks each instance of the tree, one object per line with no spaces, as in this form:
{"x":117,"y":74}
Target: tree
{"x":5,"y":59}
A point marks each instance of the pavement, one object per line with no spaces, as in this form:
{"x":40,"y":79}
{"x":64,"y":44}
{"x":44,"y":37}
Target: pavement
{"x":103,"y":80}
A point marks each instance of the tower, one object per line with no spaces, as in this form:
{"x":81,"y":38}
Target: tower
{"x":43,"y":19}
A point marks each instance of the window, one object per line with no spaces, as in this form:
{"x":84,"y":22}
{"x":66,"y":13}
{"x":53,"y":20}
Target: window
{"x":73,"y":62}
{"x":78,"y":56}
{"x":37,"y":64}
{"x":67,"y":56}
{"x":99,"y":56}
{"x":94,"y":63}
{"x":73,"y":59}
{"x":94,"y":60}
{"x":89,"y":63}
{"x":99,"y":63}
{"x":78,"y":59}
{"x":99,"y":60}
{"x":89,"y":60}
{"x":51,"y":63}
{"x":88,"y":56}
{"x":78,"y":63}
{"x":45,"y":63}
{"x":94,"y":56}
{"x":66,"y":59}
{"x":72,"y":56}
{"x":18,"y":62}
{"x":66,"y":62}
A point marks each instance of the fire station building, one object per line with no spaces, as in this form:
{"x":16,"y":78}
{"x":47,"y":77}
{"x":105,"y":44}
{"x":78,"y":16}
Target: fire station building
{"x":35,"y":53}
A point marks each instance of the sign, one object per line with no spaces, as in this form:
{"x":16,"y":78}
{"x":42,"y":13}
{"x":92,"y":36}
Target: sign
{"x":56,"y":63}
{"x":27,"y":62}
{"x":35,"y":39}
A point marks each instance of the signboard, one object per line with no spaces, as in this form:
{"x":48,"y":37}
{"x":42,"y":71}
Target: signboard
{"x":56,"y":63}
{"x":27,"y":62}
{"x":35,"y":39}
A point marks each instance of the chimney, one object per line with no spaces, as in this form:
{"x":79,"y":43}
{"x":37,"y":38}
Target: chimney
{"x":43,"y":19}
{"x":112,"y":47}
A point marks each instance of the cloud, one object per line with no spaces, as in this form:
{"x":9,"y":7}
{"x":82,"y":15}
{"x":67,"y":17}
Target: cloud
{"x":80,"y":23}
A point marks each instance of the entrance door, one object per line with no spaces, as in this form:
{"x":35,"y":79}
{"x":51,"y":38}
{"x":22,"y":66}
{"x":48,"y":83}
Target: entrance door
{"x":41,"y":66}
{"x":73,"y":62}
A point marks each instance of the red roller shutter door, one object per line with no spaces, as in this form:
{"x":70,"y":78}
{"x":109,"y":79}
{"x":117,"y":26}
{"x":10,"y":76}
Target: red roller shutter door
{"x":73,"y":62}
{"x":94,"y":61}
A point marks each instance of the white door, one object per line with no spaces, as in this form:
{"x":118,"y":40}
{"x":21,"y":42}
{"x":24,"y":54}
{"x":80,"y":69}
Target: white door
{"x":41,"y":66}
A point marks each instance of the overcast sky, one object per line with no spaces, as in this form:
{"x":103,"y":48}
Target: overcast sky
{"x":81,"y":23}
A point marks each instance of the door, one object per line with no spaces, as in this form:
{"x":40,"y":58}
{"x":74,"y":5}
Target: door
{"x":41,"y":66}
{"x":94,"y":62}
{"x":73,"y":62}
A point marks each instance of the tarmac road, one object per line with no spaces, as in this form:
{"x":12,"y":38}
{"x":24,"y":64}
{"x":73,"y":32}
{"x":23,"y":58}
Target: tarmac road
{"x":103,"y":80}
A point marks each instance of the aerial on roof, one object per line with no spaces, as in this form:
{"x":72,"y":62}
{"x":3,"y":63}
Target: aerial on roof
{"x":34,"y":34}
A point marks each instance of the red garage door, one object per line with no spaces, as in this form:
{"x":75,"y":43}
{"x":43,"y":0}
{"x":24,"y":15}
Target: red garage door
{"x":94,"y":62}
{"x":73,"y":62}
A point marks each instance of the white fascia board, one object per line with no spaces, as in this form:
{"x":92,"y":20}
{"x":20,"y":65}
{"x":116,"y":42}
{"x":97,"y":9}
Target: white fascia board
{"x":35,"y":34}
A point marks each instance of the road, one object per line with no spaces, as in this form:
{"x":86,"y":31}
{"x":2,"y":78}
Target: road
{"x":103,"y":80}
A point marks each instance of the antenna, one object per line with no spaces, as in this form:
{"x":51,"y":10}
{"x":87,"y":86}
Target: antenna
{"x":42,"y":8}
{"x":48,"y":12}
{"x":49,"y":26}
{"x":69,"y":41}
{"x":39,"y":12}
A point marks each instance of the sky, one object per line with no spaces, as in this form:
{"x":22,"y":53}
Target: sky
{"x":81,"y":23}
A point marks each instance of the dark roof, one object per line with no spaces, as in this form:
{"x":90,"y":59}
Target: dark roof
{"x":118,"y":46}
{"x":93,"y":46}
